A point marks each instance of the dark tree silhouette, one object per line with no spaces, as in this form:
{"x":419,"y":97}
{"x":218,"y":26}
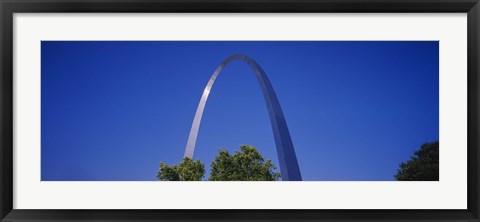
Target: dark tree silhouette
{"x":423,"y":165}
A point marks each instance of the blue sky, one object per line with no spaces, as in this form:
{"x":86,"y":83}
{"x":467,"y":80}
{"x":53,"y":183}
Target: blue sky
{"x":113,"y":110}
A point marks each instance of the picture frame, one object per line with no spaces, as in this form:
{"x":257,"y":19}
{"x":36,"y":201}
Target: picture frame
{"x":10,"y":7}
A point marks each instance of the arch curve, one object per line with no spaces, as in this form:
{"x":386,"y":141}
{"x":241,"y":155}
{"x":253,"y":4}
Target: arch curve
{"x":285,"y":151}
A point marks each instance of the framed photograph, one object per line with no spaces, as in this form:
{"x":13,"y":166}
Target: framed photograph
{"x":207,"y":110}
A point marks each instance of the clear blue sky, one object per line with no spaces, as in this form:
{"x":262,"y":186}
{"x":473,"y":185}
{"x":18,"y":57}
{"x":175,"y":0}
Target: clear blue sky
{"x":115,"y":110}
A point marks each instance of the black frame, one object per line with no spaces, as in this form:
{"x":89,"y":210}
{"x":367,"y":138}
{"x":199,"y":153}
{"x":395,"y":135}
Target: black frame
{"x":9,"y":7}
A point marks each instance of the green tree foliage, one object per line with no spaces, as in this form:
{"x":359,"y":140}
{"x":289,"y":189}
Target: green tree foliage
{"x":423,"y":165}
{"x":187,"y":170}
{"x":244,"y":165}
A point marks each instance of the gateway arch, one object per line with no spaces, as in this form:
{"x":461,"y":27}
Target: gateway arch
{"x":285,"y":150}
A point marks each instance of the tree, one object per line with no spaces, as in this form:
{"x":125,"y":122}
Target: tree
{"x":246,"y":165}
{"x":187,"y":170}
{"x":423,"y":165}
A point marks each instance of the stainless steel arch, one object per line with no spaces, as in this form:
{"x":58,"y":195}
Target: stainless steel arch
{"x":285,"y":150}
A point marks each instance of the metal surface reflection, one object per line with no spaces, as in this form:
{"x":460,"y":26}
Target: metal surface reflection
{"x":285,"y":150}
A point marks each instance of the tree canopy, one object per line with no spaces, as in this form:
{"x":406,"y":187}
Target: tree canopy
{"x":244,"y":165}
{"x":187,"y":170}
{"x":422,"y":166}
